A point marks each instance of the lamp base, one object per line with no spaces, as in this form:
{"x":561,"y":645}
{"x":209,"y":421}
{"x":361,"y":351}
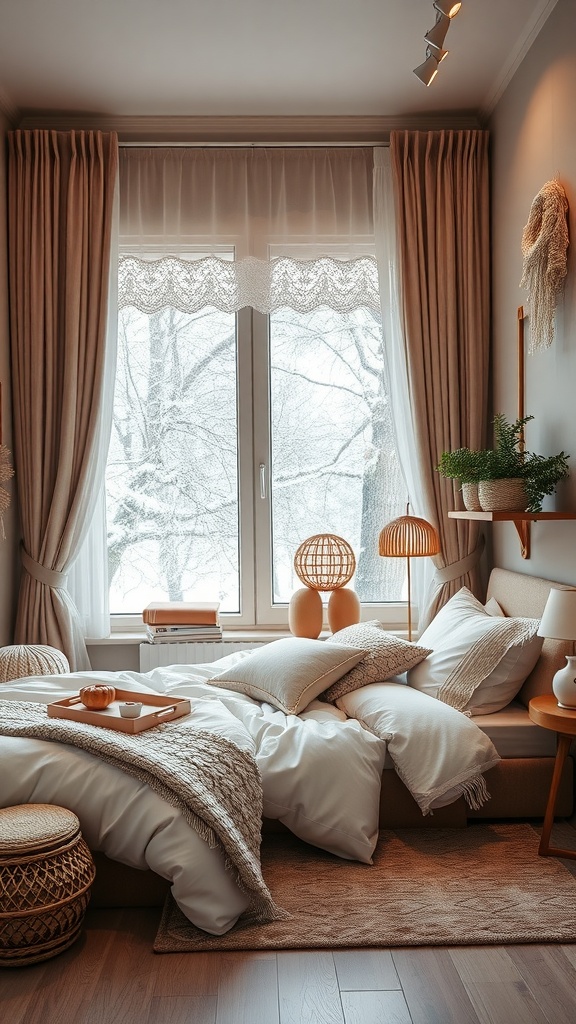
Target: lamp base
{"x":564,"y":684}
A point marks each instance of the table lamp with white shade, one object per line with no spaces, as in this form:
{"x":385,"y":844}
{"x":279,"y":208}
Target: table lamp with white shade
{"x":559,"y":623}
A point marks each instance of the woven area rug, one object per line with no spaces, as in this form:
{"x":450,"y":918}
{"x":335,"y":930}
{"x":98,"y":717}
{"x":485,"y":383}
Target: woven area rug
{"x":481,"y":885}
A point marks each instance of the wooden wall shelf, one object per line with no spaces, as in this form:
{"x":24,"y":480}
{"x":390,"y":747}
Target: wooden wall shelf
{"x":521,"y":521}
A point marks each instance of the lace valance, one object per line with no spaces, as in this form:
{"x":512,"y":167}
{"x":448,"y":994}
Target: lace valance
{"x":303,"y":285}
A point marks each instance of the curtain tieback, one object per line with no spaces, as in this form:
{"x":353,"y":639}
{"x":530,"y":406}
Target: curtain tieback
{"x":41,"y":573}
{"x":461,"y":567}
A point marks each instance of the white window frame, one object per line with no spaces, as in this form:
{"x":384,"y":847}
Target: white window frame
{"x":257,"y":609}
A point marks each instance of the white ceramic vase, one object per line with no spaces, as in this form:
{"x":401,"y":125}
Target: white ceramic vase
{"x":564,"y":683}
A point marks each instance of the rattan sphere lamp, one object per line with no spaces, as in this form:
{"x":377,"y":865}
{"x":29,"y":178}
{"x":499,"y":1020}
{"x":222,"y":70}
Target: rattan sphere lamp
{"x":324,"y":562}
{"x":408,"y":537}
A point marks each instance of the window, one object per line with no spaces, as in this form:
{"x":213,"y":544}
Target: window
{"x":251,"y":406}
{"x":192,"y":421}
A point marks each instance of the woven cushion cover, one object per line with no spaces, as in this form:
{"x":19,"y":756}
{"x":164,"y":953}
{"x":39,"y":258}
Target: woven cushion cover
{"x":46,"y":871}
{"x":22,"y":660}
{"x":387,"y":655}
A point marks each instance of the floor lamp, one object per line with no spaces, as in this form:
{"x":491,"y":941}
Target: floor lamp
{"x":408,"y":537}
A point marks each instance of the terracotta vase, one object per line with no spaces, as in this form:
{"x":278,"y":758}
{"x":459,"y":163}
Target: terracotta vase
{"x":343,"y":609}
{"x":305,"y":613}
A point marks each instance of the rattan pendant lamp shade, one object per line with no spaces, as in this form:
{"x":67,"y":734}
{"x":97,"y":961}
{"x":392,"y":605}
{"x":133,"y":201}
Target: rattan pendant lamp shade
{"x":408,"y":537}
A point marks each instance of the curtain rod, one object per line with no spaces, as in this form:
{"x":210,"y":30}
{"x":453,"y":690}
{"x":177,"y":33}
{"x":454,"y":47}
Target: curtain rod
{"x":251,"y":145}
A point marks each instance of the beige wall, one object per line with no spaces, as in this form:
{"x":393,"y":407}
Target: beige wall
{"x":533,"y":140}
{"x":9,"y":545}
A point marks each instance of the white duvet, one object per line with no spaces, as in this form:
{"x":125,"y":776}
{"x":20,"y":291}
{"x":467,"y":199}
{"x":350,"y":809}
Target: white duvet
{"x":320,"y":772}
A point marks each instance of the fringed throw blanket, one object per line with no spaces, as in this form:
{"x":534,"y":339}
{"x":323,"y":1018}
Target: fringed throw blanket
{"x":216,"y":785}
{"x":544,"y":245}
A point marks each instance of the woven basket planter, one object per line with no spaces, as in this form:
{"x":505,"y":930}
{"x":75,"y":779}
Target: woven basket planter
{"x":470,"y":498}
{"x":46,"y":871}
{"x":506,"y":495}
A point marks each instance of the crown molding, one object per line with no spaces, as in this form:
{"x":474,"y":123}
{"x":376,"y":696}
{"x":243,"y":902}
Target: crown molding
{"x":256,"y":130}
{"x":529,"y":33}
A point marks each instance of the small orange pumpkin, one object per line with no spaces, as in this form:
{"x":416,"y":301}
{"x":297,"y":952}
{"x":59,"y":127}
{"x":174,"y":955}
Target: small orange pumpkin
{"x":97,"y":696}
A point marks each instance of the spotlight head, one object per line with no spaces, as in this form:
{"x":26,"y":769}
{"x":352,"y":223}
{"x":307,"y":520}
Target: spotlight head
{"x":448,"y":7}
{"x":437,"y":34}
{"x":427,"y":71}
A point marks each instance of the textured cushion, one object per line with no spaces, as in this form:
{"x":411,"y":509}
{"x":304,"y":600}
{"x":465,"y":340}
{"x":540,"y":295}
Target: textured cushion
{"x":479,"y":661}
{"x":388,"y":655}
{"x":289,"y":673}
{"x":23,"y":660}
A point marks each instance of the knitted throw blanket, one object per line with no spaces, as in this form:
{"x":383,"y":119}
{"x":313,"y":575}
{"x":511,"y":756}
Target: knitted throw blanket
{"x":216,"y":785}
{"x":544,"y":245}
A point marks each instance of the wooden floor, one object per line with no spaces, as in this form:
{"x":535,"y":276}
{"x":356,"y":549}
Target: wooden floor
{"x":110,"y":976}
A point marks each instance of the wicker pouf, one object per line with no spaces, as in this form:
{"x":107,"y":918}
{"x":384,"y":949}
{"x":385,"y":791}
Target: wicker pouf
{"x":23,"y":660}
{"x":46,"y":871}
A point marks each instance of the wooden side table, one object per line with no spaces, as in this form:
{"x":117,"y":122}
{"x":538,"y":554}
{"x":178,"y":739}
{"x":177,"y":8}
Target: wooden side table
{"x":544,"y":711}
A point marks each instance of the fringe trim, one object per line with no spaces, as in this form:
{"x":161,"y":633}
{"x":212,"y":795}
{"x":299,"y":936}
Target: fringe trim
{"x":475,"y":792}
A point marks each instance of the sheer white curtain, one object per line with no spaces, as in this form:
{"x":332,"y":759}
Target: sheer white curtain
{"x":88,"y":576}
{"x":422,"y":569}
{"x":246,"y":198}
{"x":258,"y":227}
{"x":230,"y":228}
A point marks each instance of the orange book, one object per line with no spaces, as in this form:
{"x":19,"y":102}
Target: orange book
{"x":182,"y":613}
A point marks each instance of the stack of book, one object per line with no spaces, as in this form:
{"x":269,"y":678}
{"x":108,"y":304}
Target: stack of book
{"x":182,"y":622}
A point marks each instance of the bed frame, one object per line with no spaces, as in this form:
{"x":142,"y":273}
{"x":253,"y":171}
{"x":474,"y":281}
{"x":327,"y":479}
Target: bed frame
{"x":518,"y":786}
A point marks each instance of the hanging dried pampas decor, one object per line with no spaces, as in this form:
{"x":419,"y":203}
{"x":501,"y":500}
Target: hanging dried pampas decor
{"x":544,"y":245}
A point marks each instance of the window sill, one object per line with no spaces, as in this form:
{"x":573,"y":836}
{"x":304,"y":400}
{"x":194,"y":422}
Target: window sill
{"x":245,"y":634}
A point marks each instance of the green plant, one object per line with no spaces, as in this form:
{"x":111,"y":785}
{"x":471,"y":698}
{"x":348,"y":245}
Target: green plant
{"x":541,"y":474}
{"x":463,"y":464}
{"x":507,"y":458}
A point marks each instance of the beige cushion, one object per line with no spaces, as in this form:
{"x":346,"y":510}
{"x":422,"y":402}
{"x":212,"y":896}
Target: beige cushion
{"x":289,"y":673}
{"x":479,"y":661}
{"x":387,"y":655}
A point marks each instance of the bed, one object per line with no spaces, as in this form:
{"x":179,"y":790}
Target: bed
{"x":337,"y":762}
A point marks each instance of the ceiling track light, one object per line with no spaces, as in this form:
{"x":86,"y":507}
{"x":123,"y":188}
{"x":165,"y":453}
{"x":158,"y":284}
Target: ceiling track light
{"x":435,"y":52}
{"x":427,"y":71}
{"x":437,"y":34}
{"x":449,"y":8}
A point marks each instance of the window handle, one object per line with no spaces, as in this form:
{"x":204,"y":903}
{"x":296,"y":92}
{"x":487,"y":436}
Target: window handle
{"x":263,"y":480}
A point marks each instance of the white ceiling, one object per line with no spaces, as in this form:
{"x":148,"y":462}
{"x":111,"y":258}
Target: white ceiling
{"x":142,"y":58}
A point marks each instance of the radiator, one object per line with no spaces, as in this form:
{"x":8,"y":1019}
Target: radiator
{"x":155,"y":655}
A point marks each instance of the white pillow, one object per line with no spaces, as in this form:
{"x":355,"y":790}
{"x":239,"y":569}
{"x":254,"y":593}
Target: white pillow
{"x":493,"y":608}
{"x":479,"y":660}
{"x":438,"y":753}
{"x":387,"y":655}
{"x":289,"y":673}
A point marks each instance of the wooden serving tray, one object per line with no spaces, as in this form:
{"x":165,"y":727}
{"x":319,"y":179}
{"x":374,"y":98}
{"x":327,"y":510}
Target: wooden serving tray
{"x":155,"y":710}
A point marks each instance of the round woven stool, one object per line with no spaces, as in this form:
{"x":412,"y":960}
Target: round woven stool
{"x":23,"y":660}
{"x":46,"y":871}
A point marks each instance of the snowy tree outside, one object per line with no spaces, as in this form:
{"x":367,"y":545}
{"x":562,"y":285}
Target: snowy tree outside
{"x":172,"y":476}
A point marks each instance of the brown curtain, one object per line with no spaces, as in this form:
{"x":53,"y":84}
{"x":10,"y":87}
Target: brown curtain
{"x":61,"y":189}
{"x":441,"y":188}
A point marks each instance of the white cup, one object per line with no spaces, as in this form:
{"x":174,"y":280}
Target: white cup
{"x":131,"y":709}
